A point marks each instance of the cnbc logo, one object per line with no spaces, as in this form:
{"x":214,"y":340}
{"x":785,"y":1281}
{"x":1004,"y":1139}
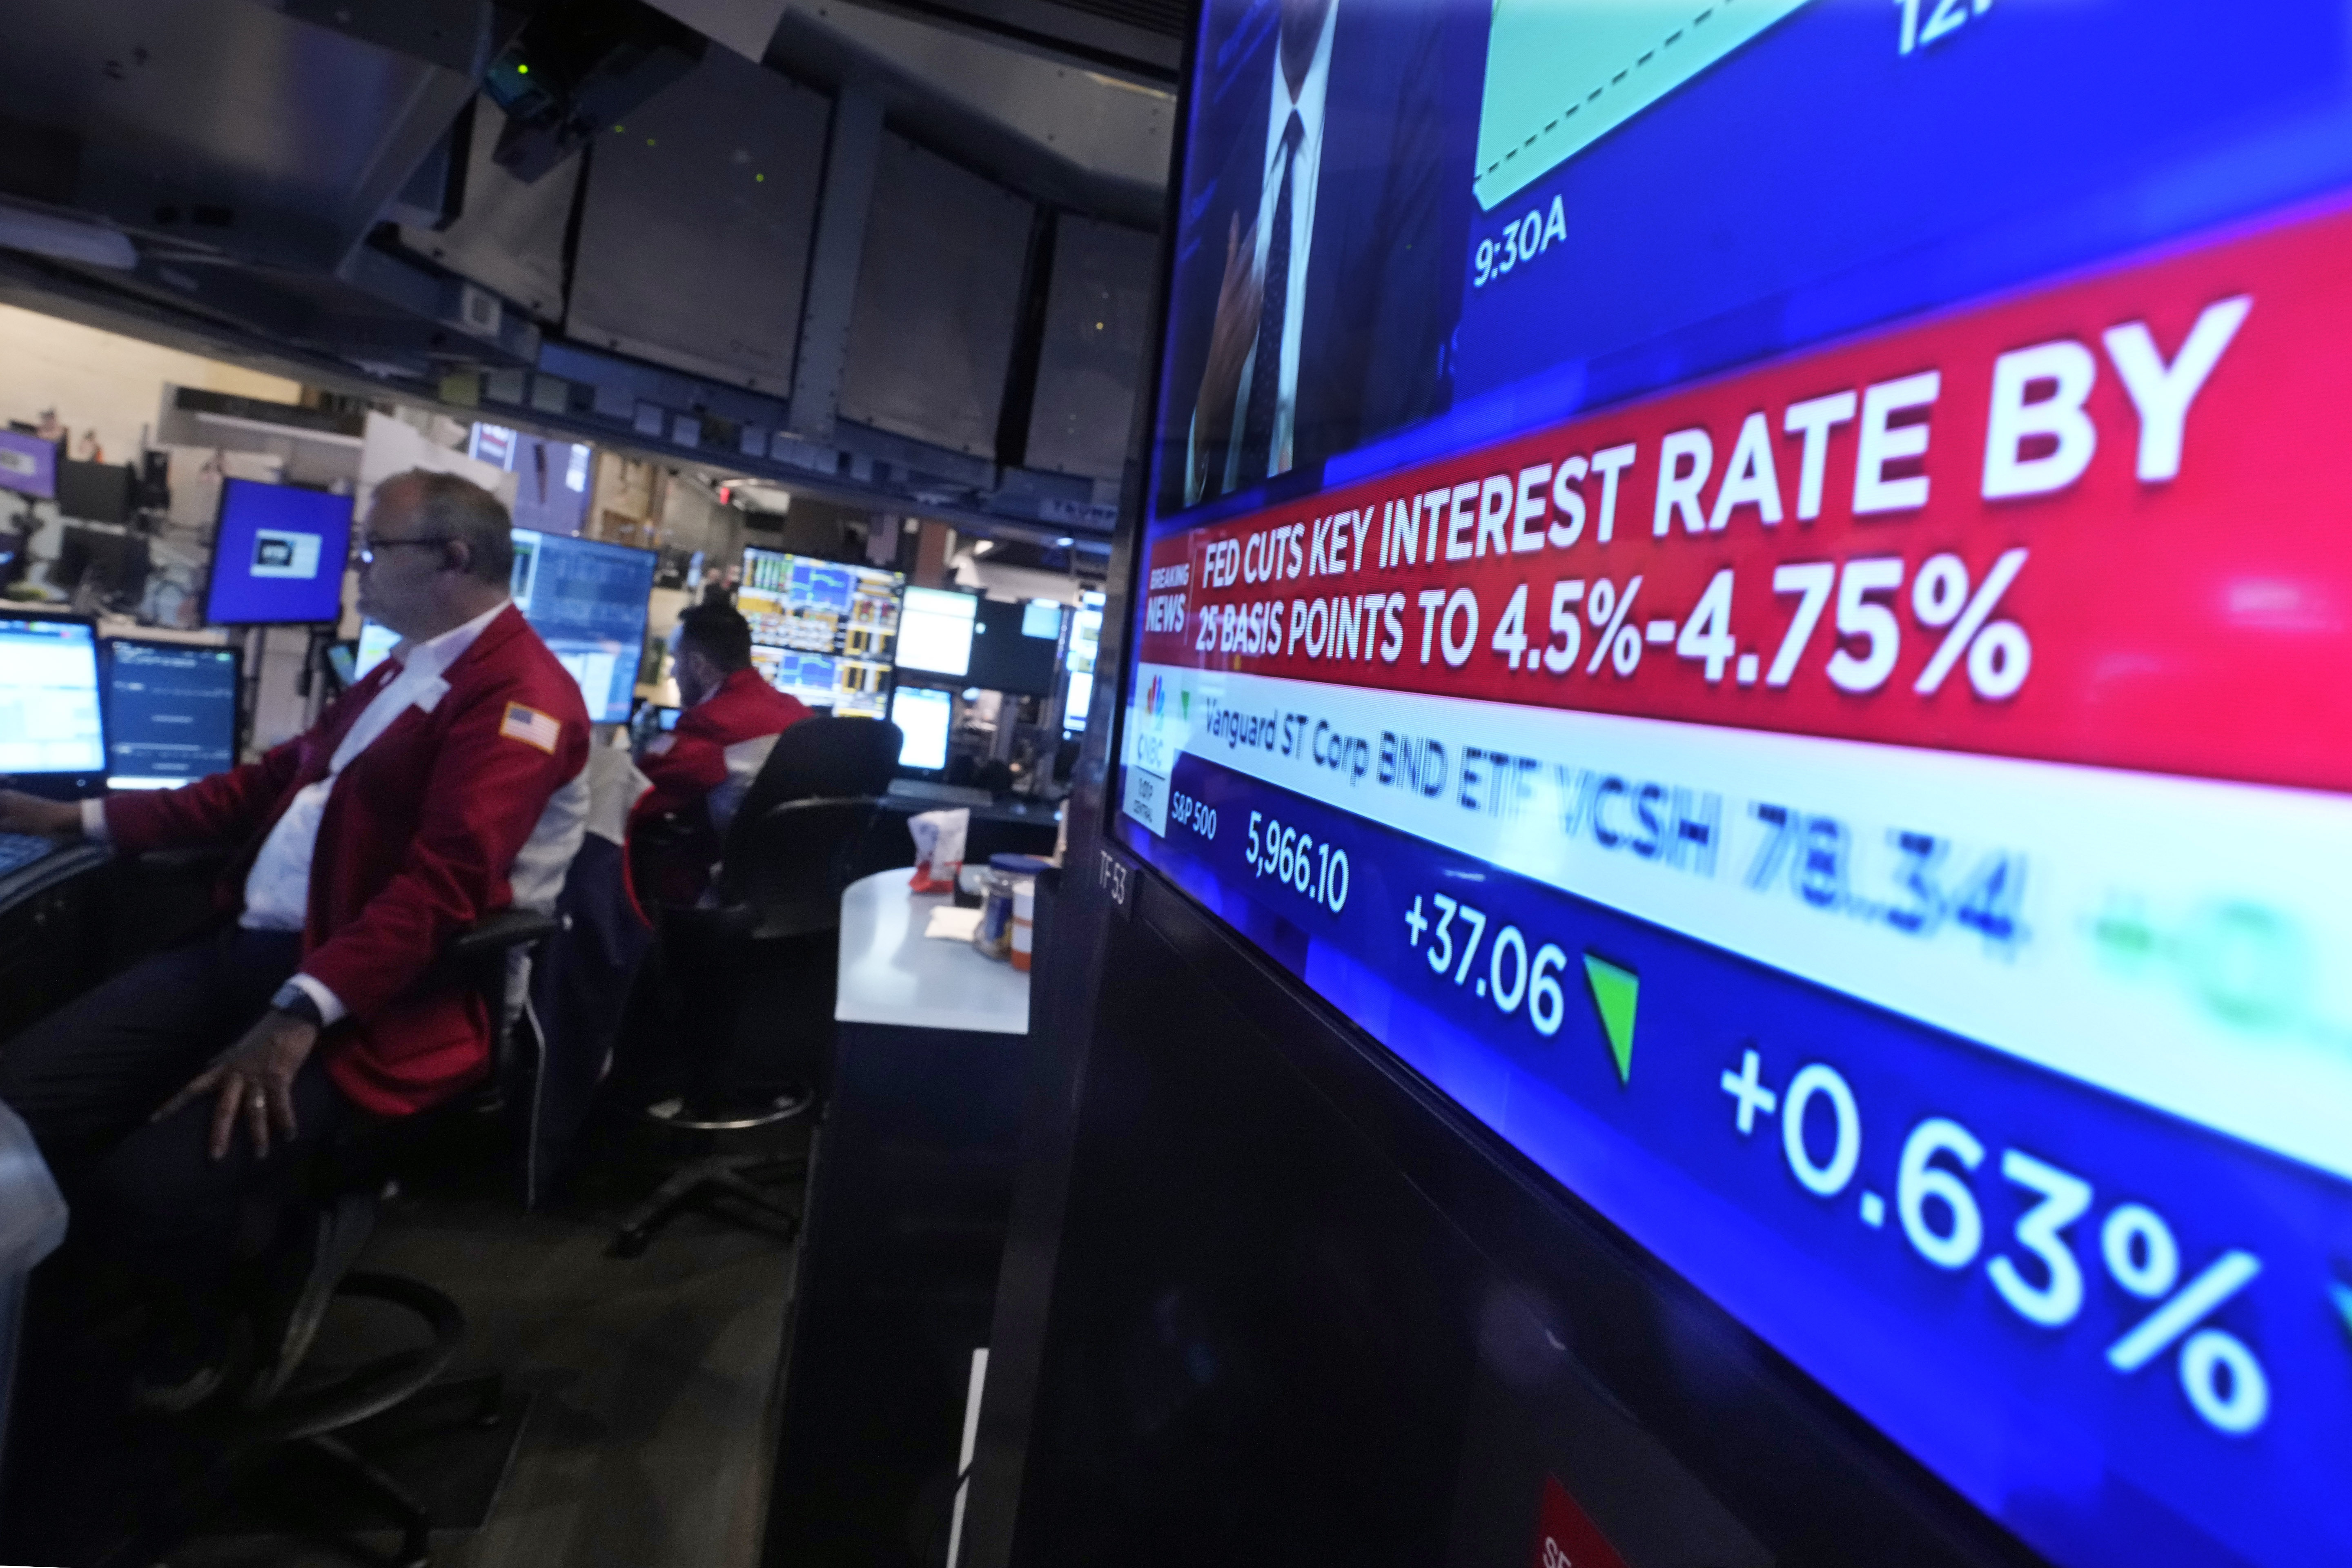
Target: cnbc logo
{"x":1155,"y":697}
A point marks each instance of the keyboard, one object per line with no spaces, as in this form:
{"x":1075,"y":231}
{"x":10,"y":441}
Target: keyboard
{"x":19,"y":850}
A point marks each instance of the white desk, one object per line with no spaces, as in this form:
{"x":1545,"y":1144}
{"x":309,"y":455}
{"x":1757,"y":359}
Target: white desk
{"x":909,"y":1201}
{"x":892,"y":974}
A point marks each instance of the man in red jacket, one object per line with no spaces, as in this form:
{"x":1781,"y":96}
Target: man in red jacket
{"x":447,"y":785}
{"x":701,"y":770}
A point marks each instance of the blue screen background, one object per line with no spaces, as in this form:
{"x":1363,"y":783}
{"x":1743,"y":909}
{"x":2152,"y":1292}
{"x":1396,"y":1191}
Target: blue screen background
{"x":241,"y":598}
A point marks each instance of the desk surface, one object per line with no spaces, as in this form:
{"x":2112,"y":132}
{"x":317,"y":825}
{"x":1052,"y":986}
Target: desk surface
{"x":892,"y":974}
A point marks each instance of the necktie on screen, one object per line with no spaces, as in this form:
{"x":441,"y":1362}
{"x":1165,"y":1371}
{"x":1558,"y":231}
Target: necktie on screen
{"x":1266,"y":378}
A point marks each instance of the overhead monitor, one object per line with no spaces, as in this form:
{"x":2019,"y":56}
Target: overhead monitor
{"x":52,"y":724}
{"x":925,"y":715}
{"x":935,"y":630}
{"x":1015,"y":648}
{"x":28,"y":465}
{"x":171,"y":712}
{"x":1797,"y":678}
{"x":587,"y":600}
{"x":278,"y":556}
{"x":824,"y":631}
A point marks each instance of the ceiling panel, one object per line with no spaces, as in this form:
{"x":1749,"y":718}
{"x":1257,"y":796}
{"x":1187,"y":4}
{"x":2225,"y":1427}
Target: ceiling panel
{"x":1097,"y":331}
{"x":509,"y":234}
{"x":694,"y":233}
{"x":939,"y":297}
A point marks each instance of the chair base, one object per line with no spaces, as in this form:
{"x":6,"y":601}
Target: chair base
{"x":302,"y":1426}
{"x":687,"y":1117}
{"x":701,"y":1185}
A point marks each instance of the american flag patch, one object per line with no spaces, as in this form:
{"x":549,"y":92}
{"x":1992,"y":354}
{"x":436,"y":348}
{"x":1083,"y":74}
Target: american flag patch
{"x":540,"y":730}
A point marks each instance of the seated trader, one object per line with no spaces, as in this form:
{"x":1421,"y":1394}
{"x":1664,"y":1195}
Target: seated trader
{"x":701,"y":770}
{"x":188,"y":1095}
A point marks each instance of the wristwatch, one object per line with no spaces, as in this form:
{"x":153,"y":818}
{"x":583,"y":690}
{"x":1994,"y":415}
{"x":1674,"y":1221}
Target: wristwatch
{"x":292,"y":998}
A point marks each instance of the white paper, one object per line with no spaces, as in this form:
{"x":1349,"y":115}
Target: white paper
{"x":950,"y":924}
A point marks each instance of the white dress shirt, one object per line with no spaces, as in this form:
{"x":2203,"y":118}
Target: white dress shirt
{"x":278,"y":889}
{"x":1306,"y":167}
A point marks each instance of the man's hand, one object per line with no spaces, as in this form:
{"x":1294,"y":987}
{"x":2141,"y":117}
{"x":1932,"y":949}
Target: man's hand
{"x":22,"y":813}
{"x":1231,"y":338}
{"x":254,"y":1082}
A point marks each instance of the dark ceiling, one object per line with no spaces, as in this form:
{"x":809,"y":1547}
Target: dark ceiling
{"x":309,"y":185}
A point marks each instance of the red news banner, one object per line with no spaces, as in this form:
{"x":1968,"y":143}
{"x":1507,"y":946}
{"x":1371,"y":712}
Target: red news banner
{"x":2109,"y":522}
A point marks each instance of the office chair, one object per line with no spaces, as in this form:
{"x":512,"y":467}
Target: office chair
{"x":789,"y":851}
{"x":285,"y":1418}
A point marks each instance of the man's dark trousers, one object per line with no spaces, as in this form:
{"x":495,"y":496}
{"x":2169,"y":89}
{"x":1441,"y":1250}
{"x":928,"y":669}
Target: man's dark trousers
{"x":148,"y":1202}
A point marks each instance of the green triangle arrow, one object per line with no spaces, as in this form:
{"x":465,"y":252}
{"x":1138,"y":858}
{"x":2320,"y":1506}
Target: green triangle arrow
{"x":1614,"y":992}
{"x":2343,"y":1296}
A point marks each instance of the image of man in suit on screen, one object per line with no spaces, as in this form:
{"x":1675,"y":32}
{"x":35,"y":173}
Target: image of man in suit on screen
{"x":1319,"y":266}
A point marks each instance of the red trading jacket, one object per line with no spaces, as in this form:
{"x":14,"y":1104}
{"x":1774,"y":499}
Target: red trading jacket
{"x":691,"y":762}
{"x":415,"y":845}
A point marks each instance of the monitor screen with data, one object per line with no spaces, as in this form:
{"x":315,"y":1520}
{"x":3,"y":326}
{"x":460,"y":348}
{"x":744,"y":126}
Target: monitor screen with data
{"x":1760,"y":596}
{"x":171,"y":712}
{"x":587,"y":601}
{"x":824,"y":631}
{"x":51,"y":721}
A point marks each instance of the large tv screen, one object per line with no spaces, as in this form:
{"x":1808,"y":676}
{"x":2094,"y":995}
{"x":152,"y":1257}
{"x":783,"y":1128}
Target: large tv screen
{"x":1751,"y":592}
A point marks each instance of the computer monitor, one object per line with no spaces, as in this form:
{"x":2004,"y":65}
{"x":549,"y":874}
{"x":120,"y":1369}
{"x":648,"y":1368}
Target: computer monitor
{"x":935,"y":628}
{"x":1086,"y":641}
{"x":113,"y":564}
{"x":926,"y":715}
{"x":277,"y":556}
{"x":1017,"y":648}
{"x":95,"y":492}
{"x":28,"y":465}
{"x":822,"y":631}
{"x":587,"y":601}
{"x":171,"y":712}
{"x":52,"y":724}
{"x":375,"y":645}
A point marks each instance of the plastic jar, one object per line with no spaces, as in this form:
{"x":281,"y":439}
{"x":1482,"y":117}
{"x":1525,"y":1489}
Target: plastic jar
{"x":993,"y":935}
{"x":1010,"y":878}
{"x":1024,"y":911}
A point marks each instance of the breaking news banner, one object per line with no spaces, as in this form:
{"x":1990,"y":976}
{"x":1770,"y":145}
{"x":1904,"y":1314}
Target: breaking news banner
{"x":2095,"y":522}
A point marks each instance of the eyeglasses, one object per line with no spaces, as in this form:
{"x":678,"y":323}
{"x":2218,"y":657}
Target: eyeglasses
{"x":368,"y":551}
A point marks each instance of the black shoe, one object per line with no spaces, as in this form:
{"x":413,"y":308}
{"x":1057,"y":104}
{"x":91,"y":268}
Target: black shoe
{"x":302,"y":1280}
